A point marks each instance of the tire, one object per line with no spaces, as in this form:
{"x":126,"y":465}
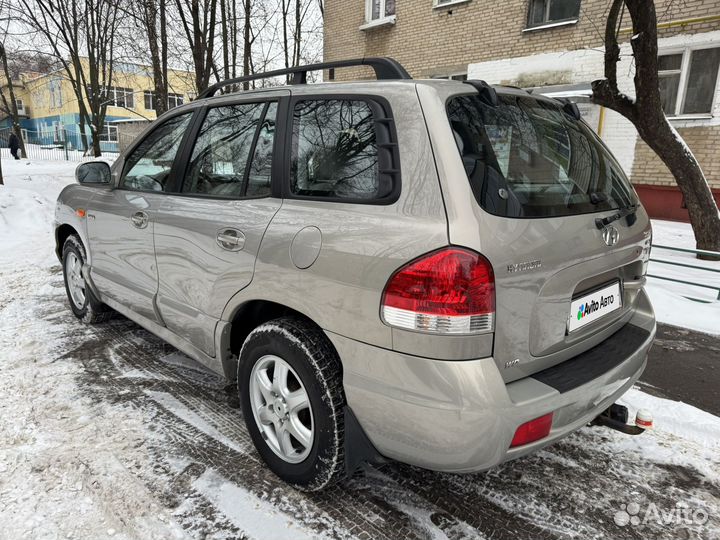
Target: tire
{"x":312,"y":360}
{"x":83,"y":303}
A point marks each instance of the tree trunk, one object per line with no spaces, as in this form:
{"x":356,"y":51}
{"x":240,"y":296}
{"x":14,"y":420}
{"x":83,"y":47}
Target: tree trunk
{"x":247,"y":43}
{"x":646,"y":113}
{"x":662,"y":138}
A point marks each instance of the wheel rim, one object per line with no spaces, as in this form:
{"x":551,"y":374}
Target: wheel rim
{"x":281,"y":408}
{"x":75,"y":280}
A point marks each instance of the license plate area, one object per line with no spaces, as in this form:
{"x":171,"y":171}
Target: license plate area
{"x":588,"y":307}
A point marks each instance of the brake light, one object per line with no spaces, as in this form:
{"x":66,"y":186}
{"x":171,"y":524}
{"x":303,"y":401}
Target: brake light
{"x":532,"y":431}
{"x":450,"y":291}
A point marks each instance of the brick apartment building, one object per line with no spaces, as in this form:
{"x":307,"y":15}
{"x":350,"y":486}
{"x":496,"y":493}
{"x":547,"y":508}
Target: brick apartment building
{"x":555,"y":47}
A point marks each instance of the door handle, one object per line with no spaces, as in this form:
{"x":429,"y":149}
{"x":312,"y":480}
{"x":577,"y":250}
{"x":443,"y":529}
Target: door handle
{"x":139,"y":220}
{"x":230,"y":239}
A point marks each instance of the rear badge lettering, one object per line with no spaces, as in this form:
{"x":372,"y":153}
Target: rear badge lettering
{"x":524,"y":266}
{"x":512,"y":363}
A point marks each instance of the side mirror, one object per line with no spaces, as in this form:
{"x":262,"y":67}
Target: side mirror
{"x":93,"y":173}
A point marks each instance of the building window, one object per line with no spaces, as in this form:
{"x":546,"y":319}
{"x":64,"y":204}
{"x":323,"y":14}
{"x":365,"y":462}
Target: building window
{"x":379,"y":12}
{"x":448,"y":3}
{"x":149,"y":98}
{"x":109,"y":134}
{"x":544,"y":12}
{"x":121,"y":97}
{"x":452,"y":77}
{"x":174,"y":100}
{"x":688,"y":81}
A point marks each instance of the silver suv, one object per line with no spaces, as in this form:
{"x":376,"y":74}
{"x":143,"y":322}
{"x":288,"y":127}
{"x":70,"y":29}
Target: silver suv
{"x":444,"y":273}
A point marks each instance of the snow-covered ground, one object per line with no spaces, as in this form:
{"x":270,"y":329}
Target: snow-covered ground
{"x":105,"y":432}
{"x":678,"y":304}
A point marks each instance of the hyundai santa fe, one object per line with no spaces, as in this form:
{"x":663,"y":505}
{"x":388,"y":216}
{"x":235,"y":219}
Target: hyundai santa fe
{"x":449,"y":274}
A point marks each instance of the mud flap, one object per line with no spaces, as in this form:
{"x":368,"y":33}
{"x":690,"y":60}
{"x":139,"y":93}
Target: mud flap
{"x":358,"y":448}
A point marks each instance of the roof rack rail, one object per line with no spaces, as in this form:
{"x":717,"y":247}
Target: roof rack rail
{"x":487,"y":93}
{"x":385,"y":69}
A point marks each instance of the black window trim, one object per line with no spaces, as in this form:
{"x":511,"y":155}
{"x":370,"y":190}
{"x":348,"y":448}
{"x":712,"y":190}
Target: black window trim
{"x":170,"y":185}
{"x":386,"y":140}
{"x":182,"y":160}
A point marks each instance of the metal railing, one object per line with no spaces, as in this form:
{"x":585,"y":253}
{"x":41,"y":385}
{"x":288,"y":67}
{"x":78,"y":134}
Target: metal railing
{"x":686,"y":265}
{"x":60,"y":144}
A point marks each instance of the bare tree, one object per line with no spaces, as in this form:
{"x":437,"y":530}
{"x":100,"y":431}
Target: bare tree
{"x":646,"y":113}
{"x":152,"y":16}
{"x":9,"y":104}
{"x":198,"y":19}
{"x":81,"y":35}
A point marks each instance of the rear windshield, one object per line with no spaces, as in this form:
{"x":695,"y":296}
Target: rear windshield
{"x":526,"y":157}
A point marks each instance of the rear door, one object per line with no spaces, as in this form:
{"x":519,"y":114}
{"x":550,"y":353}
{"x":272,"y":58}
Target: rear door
{"x":539,"y":180}
{"x":121,"y":221}
{"x":208,"y":233}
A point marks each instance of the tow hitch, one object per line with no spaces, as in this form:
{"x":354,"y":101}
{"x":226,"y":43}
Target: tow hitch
{"x":616,"y":417}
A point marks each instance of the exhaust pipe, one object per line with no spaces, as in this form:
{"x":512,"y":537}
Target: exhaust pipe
{"x":616,"y":417}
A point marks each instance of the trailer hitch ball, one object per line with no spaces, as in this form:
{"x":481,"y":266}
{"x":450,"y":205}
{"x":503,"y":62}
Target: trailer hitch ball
{"x":616,"y":417}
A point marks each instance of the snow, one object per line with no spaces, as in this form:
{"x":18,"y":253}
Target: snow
{"x":75,"y":466}
{"x":678,"y":304}
{"x":255,"y":516}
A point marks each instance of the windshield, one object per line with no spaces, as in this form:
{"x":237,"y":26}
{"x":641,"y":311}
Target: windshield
{"x":526,"y":157}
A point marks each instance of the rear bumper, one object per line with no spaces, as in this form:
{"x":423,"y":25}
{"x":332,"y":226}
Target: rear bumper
{"x":461,"y":416}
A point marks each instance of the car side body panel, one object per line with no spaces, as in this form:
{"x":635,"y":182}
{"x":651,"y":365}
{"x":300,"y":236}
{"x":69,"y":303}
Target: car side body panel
{"x":359,"y":245}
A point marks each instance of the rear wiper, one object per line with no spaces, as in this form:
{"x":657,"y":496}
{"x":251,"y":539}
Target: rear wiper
{"x":628,"y":212}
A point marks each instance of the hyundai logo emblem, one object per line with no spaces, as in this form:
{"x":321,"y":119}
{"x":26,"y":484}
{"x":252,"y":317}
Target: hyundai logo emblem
{"x":610,"y":236}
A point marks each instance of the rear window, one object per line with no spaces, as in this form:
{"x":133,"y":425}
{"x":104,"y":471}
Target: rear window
{"x":527,"y":158}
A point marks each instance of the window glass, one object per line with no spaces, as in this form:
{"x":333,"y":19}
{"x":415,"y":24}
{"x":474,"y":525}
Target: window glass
{"x":669,"y":84}
{"x":148,"y":166}
{"x":545,"y":11}
{"x":563,"y":9}
{"x":260,"y":167}
{"x":669,"y":80}
{"x":174,"y":100}
{"x":218,"y":166}
{"x":379,"y":9}
{"x":149,"y":98}
{"x":335,"y":151}
{"x":526,"y":158}
{"x":109,"y":133}
{"x":537,"y":12}
{"x":670,"y":62}
{"x":701,"y":81}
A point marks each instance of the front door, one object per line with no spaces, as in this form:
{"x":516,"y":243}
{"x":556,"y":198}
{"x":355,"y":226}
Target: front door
{"x":208,"y":235}
{"x":121,"y":221}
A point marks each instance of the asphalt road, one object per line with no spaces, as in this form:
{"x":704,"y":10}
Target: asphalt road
{"x":685,"y":366}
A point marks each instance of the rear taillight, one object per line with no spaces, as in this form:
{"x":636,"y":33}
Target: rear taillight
{"x":532,"y":431}
{"x":450,"y":291}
